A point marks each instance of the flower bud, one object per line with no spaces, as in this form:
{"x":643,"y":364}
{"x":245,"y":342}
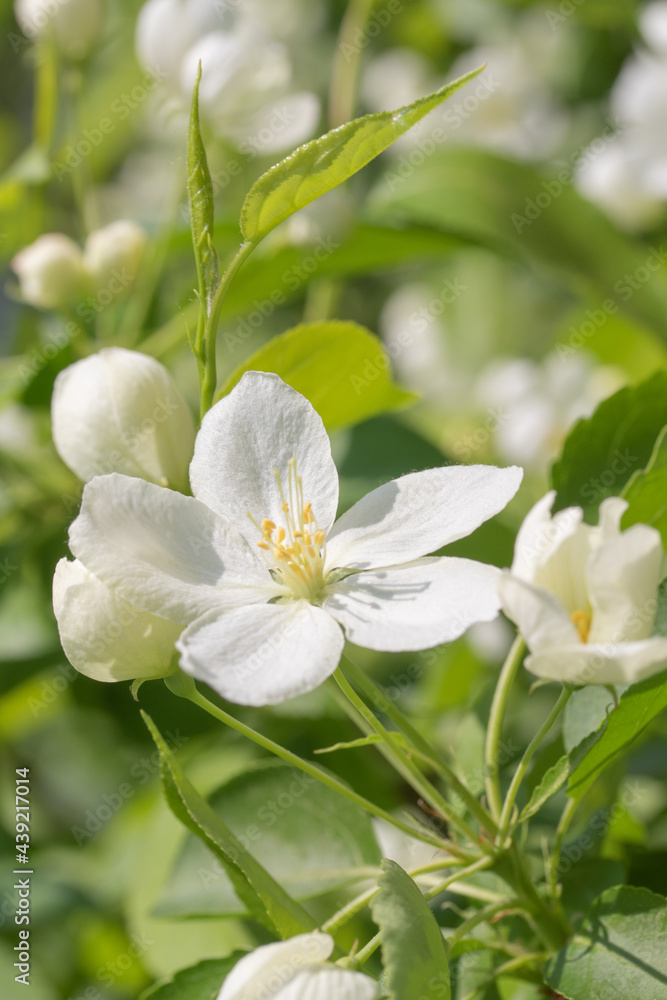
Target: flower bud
{"x":76,"y":25}
{"x":113,"y":255}
{"x":120,"y":411}
{"x":51,"y":272}
{"x":102,"y":635}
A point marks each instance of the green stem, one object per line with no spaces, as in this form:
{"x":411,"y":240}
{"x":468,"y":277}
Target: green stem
{"x":371,"y":690}
{"x":480,"y":917}
{"x":552,"y":927}
{"x":359,"y":902}
{"x":563,"y":826}
{"x":180,"y":687}
{"x":402,"y":763}
{"x":520,"y":772}
{"x":205,"y":343}
{"x":347,"y":62}
{"x":494,"y":731}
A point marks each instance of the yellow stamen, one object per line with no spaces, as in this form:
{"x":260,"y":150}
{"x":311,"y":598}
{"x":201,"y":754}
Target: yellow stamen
{"x":319,"y":537}
{"x":280,"y":535}
{"x":263,"y":545}
{"x":582,"y":622}
{"x":268,"y":526}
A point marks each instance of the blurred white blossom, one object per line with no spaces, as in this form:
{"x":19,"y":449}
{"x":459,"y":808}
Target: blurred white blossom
{"x":51,"y":272}
{"x":247,"y":90}
{"x":76,"y":25}
{"x":628,"y":178}
{"x":116,"y":251}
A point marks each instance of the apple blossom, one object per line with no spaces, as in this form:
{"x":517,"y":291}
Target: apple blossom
{"x":120,"y":411}
{"x":75,"y":24}
{"x":296,"y":969}
{"x":115,"y":252}
{"x":246,"y":87}
{"x":51,"y":272}
{"x":584,"y":597}
{"x":255,"y":567}
{"x":102,"y":635}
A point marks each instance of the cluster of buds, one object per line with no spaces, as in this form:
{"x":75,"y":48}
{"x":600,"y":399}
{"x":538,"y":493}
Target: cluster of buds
{"x":55,"y":273}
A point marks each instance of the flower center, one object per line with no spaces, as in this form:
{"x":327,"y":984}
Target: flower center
{"x":582,"y":622}
{"x":295,"y":552}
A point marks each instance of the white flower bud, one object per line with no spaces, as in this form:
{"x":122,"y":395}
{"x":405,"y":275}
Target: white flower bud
{"x":113,"y":255}
{"x":102,"y":635}
{"x":51,"y":272}
{"x":120,"y":411}
{"x":76,"y":25}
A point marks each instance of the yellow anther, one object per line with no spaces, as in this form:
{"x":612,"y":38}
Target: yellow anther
{"x":582,"y":622}
{"x":308,"y":514}
{"x":280,"y":554}
{"x":280,"y":535}
{"x":284,"y":507}
{"x":319,"y":537}
{"x":268,"y":526}
{"x":263,"y":545}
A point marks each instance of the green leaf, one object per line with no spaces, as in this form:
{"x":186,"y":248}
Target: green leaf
{"x":602,"y":452}
{"x":637,"y":708}
{"x":340,"y":367}
{"x":320,"y":165}
{"x":413,"y":949}
{"x":200,"y":195}
{"x":618,"y":950}
{"x":646,"y":492}
{"x":264,"y":898}
{"x":554,"y":779}
{"x":485,"y":198}
{"x":199,"y":982}
{"x":308,"y":838}
{"x":660,"y":624}
{"x":587,"y":879}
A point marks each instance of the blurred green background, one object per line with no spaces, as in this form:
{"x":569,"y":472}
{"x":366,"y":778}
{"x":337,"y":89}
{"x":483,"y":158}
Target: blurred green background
{"x":510,"y":341}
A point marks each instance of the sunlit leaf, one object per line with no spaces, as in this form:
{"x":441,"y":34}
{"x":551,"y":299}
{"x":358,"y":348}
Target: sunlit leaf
{"x":320,"y":165}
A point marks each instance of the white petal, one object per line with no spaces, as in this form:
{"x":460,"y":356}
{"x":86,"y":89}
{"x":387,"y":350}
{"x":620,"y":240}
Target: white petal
{"x":541,"y":536}
{"x":609,"y":518}
{"x":254,"y":972}
{"x":327,"y":983}
{"x":164,"y":552}
{"x":415,"y":606}
{"x":263,"y":654}
{"x":409,"y":517}
{"x":601,"y":663}
{"x":103,"y":636}
{"x":623,"y":576}
{"x":538,"y":614}
{"x":120,"y":411}
{"x":258,"y":428}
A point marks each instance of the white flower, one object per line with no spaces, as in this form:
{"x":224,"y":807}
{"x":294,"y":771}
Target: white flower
{"x":102,"y":635}
{"x":296,"y":969}
{"x":113,"y":255}
{"x":76,"y":24}
{"x":51,"y":272}
{"x":584,"y":598}
{"x":246,"y":89}
{"x":120,"y":411}
{"x":264,"y":596}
